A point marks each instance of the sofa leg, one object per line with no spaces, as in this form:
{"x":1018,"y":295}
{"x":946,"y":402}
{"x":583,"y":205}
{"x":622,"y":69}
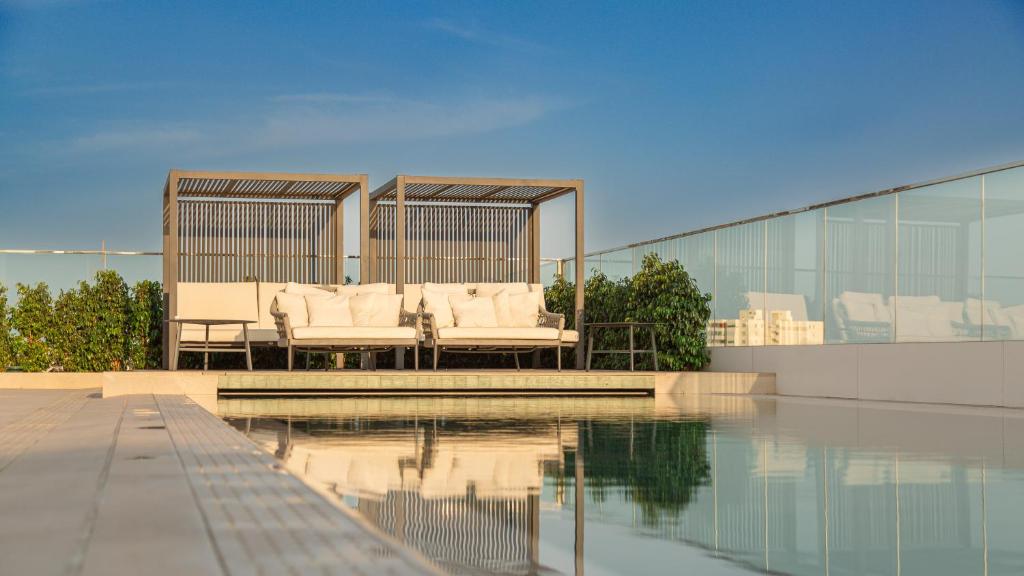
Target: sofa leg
{"x":416,"y":357}
{"x":516,"y":356}
{"x":291,"y":358}
{"x":437,"y":354}
{"x":558,"y":355}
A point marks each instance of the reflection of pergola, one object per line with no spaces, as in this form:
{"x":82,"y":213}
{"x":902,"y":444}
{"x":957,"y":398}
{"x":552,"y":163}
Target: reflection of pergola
{"x":244,"y":226}
{"x":440,"y":229}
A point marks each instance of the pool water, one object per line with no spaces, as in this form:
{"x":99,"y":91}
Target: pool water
{"x":687,"y":484}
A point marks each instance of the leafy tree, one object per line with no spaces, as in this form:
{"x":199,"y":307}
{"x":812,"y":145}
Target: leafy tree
{"x":661,"y":292}
{"x":32,"y":321}
{"x":145,"y":325}
{"x":665,"y":293}
{"x":6,"y":352}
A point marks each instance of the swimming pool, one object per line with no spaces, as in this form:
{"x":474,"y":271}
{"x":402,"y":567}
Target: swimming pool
{"x":686,"y":484}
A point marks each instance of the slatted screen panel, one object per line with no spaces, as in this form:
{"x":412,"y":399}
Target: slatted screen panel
{"x":453,"y":243}
{"x":267,"y":241}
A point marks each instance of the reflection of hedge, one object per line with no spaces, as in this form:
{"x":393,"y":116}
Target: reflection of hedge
{"x":661,"y":292}
{"x":94,"y":327}
{"x":659,"y":464}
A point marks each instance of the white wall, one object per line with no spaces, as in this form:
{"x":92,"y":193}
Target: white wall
{"x":976,"y":373}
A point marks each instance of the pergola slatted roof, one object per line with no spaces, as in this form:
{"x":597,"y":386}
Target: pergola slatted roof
{"x":268,"y":186}
{"x":504,"y":190}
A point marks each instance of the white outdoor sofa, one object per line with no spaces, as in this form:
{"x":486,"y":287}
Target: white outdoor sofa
{"x":220,"y":301}
{"x":367,"y":318}
{"x":474,"y":318}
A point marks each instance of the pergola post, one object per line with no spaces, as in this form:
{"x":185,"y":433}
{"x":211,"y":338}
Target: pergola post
{"x":580,"y":273}
{"x":534,"y":244}
{"x":400,"y":235}
{"x":338,"y":223}
{"x":364,"y":229}
{"x":170,"y":266}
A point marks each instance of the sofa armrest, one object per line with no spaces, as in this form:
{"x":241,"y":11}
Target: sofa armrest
{"x":281,"y":322}
{"x":429,"y":324}
{"x":551,"y":320}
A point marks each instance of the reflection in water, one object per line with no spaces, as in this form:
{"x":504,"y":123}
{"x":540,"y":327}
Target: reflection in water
{"x":718,"y":486}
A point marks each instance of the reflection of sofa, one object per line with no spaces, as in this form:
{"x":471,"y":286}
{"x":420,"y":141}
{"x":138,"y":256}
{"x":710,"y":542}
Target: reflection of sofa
{"x":862,"y":317}
{"x":867,"y":317}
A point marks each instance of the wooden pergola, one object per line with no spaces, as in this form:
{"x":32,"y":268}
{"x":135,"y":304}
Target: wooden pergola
{"x":453,"y":229}
{"x":265,"y":226}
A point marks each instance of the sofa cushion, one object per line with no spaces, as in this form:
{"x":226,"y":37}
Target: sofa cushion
{"x":570,"y":336}
{"x":294,"y":305}
{"x":475,"y":313}
{"x":354,"y":332}
{"x":488,"y":289}
{"x":413,"y":295}
{"x":307,"y":289}
{"x":227,"y":333}
{"x":333,"y":311}
{"x":451,"y":288}
{"x":499,"y":333}
{"x":377,"y":310}
{"x":218,"y":301}
{"x":524,"y":309}
{"x":440,"y":305}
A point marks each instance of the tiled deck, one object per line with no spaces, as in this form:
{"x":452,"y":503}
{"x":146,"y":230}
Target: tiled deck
{"x":157,"y":485}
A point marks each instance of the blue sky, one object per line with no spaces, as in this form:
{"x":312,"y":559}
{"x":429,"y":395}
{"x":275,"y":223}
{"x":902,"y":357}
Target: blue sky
{"x":678,"y":115}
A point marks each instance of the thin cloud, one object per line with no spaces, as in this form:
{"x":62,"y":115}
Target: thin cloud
{"x":99,"y":88}
{"x":399,"y":119}
{"x":135,"y":139}
{"x":478,"y":35}
{"x":332,"y":97}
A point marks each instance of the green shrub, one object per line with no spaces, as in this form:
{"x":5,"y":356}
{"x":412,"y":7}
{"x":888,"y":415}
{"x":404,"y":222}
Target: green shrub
{"x":661,"y":292}
{"x":145,"y":344}
{"x":665,"y":293}
{"x":6,"y":353}
{"x":32,"y":321}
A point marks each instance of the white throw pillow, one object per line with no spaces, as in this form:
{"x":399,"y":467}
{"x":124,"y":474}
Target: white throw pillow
{"x":377,"y":310}
{"x":439,"y":304}
{"x":294,"y":306}
{"x":306,"y":289}
{"x":524,"y":309}
{"x":501,"y":309}
{"x":475,"y":313}
{"x":332,"y":311}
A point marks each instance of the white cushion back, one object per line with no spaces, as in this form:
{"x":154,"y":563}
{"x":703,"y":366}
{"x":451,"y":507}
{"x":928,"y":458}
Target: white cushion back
{"x":332,"y":311}
{"x":488,"y":289}
{"x":475,"y":313}
{"x":304,"y":289}
{"x":265,"y":295}
{"x":218,"y":301}
{"x":294,"y":305}
{"x":379,"y":310}
{"x":356,"y":289}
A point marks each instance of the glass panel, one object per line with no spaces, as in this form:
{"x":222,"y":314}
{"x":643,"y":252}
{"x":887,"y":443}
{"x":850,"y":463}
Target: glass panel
{"x":547,"y":272}
{"x":665,"y":249}
{"x":860,"y":261}
{"x":939,"y":262}
{"x":591,"y":263}
{"x":1004,"y":258}
{"x":617,"y":265}
{"x":697,"y":255}
{"x":569,"y":270}
{"x":794,"y":309}
{"x":739,"y":285}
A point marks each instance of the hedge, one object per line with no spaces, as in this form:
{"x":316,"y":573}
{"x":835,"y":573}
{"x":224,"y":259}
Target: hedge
{"x":92,"y":328}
